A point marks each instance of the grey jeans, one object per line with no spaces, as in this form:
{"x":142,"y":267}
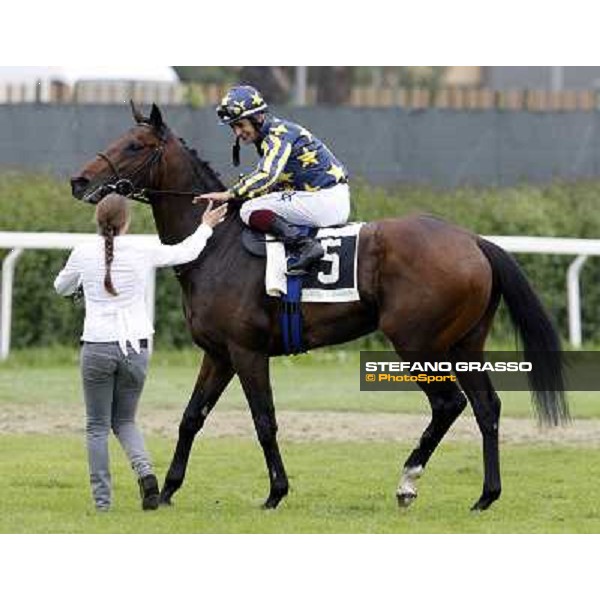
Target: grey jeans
{"x":112,"y":385}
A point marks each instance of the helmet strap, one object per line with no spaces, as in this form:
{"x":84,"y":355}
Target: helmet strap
{"x":236,"y":152}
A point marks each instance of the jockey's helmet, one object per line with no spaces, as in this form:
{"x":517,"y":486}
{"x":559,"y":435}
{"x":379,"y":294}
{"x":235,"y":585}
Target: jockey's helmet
{"x":240,"y":102}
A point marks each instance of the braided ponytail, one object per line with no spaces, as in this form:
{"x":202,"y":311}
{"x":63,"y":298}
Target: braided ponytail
{"x":109,"y":254}
{"x":112,"y":215}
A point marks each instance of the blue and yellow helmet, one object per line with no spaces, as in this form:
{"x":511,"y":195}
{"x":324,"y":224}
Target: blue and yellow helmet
{"x":240,"y":102}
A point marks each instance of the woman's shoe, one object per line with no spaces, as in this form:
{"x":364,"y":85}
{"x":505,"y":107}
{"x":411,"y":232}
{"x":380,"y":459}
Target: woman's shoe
{"x":149,"y":492}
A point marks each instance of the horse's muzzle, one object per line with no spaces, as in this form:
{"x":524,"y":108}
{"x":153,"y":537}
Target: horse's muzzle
{"x":78,"y":186}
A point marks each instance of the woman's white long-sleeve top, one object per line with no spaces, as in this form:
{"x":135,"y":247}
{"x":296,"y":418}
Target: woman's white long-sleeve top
{"x":122,"y":318}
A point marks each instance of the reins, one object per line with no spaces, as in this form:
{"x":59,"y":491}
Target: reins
{"x":125,"y":187}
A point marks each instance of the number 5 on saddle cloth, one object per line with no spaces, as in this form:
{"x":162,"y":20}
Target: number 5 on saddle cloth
{"x":332,"y":279}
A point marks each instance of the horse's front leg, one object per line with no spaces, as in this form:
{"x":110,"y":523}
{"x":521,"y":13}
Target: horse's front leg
{"x":215,"y":374}
{"x":253,"y":370}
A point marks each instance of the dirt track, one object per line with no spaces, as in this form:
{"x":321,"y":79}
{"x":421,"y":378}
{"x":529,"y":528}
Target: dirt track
{"x":302,"y":426}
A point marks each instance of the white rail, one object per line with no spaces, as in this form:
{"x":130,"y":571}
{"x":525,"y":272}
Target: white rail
{"x":580,"y":248}
{"x":17,"y":242}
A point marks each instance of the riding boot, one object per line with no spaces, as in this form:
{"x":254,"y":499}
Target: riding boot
{"x":310,"y":250}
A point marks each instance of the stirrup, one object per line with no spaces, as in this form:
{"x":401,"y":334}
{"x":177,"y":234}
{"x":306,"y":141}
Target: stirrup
{"x":296,"y":272}
{"x":302,"y":263}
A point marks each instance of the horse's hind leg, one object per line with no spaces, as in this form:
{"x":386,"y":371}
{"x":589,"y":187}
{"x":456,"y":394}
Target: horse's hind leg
{"x":214,"y":376}
{"x":486,"y":407}
{"x":447,"y":403}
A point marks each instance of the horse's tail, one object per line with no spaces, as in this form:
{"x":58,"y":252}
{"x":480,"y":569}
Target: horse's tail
{"x":541,"y":343}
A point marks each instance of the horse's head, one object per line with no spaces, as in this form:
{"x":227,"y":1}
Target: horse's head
{"x":129,"y":163}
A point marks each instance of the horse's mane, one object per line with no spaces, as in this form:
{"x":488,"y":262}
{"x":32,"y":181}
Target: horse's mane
{"x":207,"y":179}
{"x":203,"y":171}
{"x":206,"y":175}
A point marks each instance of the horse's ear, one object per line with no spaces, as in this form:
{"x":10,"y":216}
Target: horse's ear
{"x":156,"y":119}
{"x":137,"y":115}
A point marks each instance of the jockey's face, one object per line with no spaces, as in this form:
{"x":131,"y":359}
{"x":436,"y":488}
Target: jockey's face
{"x":245,"y":130}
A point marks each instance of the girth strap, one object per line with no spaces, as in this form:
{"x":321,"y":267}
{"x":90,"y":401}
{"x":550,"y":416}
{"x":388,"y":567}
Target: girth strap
{"x":291,"y":317}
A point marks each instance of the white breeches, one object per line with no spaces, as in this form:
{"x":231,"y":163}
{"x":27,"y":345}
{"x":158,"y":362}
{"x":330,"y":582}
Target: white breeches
{"x":323,"y":208}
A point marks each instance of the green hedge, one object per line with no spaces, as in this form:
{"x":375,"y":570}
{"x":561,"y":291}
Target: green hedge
{"x":34,"y":202}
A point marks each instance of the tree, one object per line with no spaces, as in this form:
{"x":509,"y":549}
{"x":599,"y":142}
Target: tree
{"x":274,"y":83}
{"x":223,"y":75}
{"x":334,"y":84}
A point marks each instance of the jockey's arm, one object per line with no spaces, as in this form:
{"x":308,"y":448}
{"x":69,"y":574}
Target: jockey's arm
{"x":276,"y":152}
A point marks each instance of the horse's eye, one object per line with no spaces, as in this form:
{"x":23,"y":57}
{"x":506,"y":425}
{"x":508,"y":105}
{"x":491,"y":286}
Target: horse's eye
{"x":134,"y":146}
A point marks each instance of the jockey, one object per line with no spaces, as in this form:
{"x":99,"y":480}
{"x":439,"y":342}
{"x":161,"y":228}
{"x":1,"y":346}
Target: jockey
{"x":298,"y":180}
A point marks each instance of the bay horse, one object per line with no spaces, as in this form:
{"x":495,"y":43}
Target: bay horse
{"x":428,"y":285}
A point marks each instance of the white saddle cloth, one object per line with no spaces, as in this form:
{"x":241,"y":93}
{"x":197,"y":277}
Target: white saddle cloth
{"x":276,"y":266}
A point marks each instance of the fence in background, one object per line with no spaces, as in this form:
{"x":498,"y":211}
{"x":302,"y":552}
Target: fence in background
{"x":99,"y":92}
{"x":382,"y":146}
{"x":17,"y":242}
{"x":178,"y":94}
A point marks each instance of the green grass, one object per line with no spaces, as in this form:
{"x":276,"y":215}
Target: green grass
{"x":318,"y":381}
{"x":335,"y":487}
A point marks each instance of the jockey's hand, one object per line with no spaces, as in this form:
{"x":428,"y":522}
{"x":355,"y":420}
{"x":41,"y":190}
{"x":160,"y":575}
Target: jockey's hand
{"x":213,"y":216}
{"x":214,"y":197}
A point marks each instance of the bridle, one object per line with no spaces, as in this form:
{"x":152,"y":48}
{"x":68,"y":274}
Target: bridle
{"x":127,"y":184}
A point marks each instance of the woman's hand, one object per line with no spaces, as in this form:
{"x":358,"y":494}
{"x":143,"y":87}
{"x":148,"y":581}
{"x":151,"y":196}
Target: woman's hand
{"x":214,"y":197}
{"x":213,"y":216}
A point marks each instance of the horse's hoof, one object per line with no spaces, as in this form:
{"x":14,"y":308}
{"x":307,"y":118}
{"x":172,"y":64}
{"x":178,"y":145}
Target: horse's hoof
{"x":405,"y":499}
{"x":167,"y":492}
{"x":486,"y":500}
{"x":271,"y":503}
{"x":406,"y":492}
{"x":165,"y":500}
{"x":273,"y":500}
